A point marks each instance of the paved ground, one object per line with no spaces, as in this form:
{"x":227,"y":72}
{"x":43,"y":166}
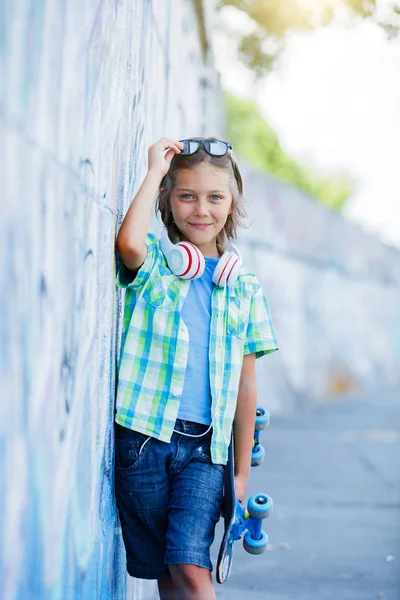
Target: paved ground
{"x":334,"y":476}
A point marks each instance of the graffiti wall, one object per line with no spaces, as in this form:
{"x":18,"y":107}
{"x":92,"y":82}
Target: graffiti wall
{"x":334,"y":293}
{"x":86,"y":88}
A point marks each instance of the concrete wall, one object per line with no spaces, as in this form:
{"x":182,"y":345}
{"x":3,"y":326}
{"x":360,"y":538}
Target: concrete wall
{"x":334,"y":294}
{"x":87,"y":87}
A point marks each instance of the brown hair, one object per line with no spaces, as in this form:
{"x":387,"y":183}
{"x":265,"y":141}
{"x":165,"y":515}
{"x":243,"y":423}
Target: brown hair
{"x":168,"y":182}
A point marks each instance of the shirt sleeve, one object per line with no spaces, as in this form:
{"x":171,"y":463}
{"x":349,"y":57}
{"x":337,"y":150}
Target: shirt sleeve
{"x":260,"y":334}
{"x":136,"y":279}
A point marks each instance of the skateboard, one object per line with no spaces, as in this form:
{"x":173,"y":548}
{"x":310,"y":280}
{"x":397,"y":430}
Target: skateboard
{"x":236,"y":518}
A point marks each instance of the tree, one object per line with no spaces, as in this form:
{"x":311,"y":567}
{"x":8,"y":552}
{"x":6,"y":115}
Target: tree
{"x":274,"y":19}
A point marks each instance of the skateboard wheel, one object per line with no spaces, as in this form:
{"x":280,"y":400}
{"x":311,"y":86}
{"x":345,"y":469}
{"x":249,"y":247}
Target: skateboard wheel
{"x":259,"y":506}
{"x":253,"y":546}
{"x":262,"y":418}
{"x":257,"y":456}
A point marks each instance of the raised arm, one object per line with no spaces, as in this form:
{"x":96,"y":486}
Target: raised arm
{"x":132,"y":234}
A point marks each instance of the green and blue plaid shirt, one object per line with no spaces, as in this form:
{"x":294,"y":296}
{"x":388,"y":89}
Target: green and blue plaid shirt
{"x":155,"y":346}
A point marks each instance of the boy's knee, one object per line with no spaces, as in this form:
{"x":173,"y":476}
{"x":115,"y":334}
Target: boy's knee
{"x":167,"y":589}
{"x":191,"y":577}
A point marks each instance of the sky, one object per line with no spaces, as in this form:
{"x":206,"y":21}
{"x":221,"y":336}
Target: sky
{"x":334,"y":102}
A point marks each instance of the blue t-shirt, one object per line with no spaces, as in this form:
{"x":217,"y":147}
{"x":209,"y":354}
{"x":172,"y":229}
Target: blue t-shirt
{"x":196,"y":314}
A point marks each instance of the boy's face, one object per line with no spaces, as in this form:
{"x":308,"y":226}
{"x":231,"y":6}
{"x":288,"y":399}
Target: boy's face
{"x":201,"y":202}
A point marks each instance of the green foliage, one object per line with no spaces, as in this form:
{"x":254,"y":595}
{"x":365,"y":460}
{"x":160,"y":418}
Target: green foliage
{"x":278,"y":17}
{"x":275,"y":18}
{"x":259,"y":146}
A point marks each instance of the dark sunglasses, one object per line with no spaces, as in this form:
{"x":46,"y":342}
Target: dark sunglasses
{"x":214,"y":147}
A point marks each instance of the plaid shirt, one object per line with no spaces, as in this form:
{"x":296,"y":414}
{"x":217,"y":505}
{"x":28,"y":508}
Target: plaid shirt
{"x":155,"y":346}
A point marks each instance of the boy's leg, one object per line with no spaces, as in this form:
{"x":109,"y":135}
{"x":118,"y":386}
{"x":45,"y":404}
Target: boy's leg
{"x":167,"y":590}
{"x":194,"y":510}
{"x":142,"y":494}
{"x":196,"y":490}
{"x":192,"y":582}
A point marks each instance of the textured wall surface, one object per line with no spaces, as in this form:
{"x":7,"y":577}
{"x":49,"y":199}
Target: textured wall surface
{"x":334,"y":294}
{"x":87,"y":87}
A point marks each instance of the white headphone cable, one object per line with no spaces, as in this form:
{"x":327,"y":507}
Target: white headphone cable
{"x":193,"y":436}
{"x":181,"y":433}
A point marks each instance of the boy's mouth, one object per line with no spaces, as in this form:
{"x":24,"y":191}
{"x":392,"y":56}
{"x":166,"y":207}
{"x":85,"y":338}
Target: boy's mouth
{"x":200,"y":225}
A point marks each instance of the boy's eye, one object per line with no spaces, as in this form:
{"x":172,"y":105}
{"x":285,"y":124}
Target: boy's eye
{"x":214,"y":197}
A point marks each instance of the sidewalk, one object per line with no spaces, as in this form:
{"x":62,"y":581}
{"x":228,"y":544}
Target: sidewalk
{"x":334,"y":476}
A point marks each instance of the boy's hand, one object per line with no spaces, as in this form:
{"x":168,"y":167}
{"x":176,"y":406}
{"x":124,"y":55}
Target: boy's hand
{"x":240,"y":483}
{"x":240,"y":487}
{"x":159,"y":161}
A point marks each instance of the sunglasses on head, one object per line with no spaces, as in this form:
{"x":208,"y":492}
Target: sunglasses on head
{"x":213,"y":147}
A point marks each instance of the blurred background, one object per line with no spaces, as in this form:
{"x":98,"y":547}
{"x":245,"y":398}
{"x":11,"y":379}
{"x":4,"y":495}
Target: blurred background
{"x":308,"y":93}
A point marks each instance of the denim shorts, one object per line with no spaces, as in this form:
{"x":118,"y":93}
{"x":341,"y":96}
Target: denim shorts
{"x":169,"y":497}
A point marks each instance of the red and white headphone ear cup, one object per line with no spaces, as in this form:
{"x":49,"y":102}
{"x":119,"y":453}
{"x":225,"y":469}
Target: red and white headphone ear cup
{"x":194,"y":263}
{"x":227,"y":269}
{"x":183,"y":258}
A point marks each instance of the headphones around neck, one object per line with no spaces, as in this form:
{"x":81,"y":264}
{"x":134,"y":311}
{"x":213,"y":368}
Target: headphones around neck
{"x":186,"y":261}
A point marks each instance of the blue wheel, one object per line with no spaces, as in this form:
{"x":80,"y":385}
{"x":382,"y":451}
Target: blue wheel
{"x":259,"y":506}
{"x":255,"y":546}
{"x":262,"y":418}
{"x":257,"y":456}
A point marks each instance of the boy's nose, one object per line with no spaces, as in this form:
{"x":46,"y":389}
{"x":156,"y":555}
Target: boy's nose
{"x":201,"y":208}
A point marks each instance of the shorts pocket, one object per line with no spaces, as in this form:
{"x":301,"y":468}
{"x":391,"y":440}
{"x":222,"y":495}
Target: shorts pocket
{"x":129,"y":452}
{"x":202,"y":453}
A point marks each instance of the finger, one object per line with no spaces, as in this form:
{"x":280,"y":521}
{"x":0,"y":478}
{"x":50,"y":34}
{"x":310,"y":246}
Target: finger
{"x":169,"y":155}
{"x":172,"y":144}
{"x":172,"y":149}
{"x":178,"y":148}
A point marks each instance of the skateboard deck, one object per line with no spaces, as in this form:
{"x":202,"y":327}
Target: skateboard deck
{"x":225,"y":554}
{"x":236,"y":518}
